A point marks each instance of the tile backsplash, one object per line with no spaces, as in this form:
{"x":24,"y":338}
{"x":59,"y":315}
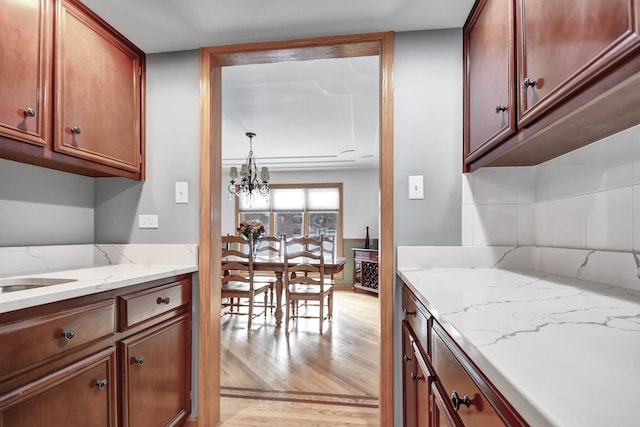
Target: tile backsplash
{"x":586,"y":199}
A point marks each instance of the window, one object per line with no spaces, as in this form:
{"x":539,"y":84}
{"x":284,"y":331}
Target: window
{"x":298,"y":210}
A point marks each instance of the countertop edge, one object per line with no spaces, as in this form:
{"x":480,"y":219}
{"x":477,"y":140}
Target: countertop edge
{"x":107,"y":278}
{"x":531,"y":413}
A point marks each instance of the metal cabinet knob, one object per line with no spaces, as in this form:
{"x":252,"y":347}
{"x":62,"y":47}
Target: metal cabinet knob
{"x":456,"y":401}
{"x":76,"y":130}
{"x":68,"y":334}
{"x":101,"y":384}
{"x":409,"y":312}
{"x":407,"y":358}
{"x":527,"y":83}
{"x":415,"y":377}
{"x":138,"y":361}
{"x":29,"y":112}
{"x":500,"y":109}
{"x":166,"y":300}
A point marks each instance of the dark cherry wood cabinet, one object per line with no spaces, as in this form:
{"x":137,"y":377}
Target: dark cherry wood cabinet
{"x":98,"y":91}
{"x":72,"y":90}
{"x":490,"y":99}
{"x":442,"y":415}
{"x":25,"y":86}
{"x":80,"y":395}
{"x":156,"y":375}
{"x":441,"y":385}
{"x":409,"y":395}
{"x":416,"y":368}
{"x":83,"y":362}
{"x":570,"y":70}
{"x":564,"y":45}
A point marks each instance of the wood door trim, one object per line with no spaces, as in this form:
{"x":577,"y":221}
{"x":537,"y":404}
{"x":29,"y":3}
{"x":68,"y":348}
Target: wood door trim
{"x":212,"y":60}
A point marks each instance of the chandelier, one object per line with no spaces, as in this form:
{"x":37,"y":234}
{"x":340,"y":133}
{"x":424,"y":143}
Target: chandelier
{"x":250,"y":186}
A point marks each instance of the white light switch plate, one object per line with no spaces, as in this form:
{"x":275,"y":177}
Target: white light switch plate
{"x":147,"y":221}
{"x":416,"y":187}
{"x":182,"y":192}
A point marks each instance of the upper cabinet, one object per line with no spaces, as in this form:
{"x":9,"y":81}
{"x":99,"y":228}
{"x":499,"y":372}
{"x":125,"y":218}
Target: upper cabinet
{"x":25,"y":46}
{"x":555,"y":75}
{"x":75,"y":93}
{"x":98,"y":93}
{"x":490,"y":102}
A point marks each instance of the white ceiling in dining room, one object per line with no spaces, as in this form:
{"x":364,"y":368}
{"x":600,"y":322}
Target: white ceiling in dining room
{"x":319,"y":114}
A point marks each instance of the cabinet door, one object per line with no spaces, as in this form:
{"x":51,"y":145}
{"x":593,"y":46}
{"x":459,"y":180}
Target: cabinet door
{"x":98,"y":91}
{"x":25,"y":52}
{"x":489,"y":76}
{"x":80,"y":395}
{"x":442,"y":415}
{"x":565,"y":45}
{"x":157,"y":375}
{"x":423,"y":380}
{"x":408,"y":386}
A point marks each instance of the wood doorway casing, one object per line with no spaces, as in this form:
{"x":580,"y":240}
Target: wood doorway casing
{"x":211,"y":62}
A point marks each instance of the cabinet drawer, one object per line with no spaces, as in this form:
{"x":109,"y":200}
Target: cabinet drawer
{"x":28,"y":342}
{"x":141,"y":306}
{"x":456,"y":382}
{"x":418,"y":318}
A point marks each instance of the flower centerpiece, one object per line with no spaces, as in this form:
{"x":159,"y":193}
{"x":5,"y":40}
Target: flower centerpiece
{"x":252,"y":231}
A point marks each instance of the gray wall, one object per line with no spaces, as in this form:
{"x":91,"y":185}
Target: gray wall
{"x":173,"y":122}
{"x":427,"y":141}
{"x":428,"y":136}
{"x":41,"y":206}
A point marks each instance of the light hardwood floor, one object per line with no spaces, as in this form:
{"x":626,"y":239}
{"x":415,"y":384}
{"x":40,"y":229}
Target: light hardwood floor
{"x":303,"y":379}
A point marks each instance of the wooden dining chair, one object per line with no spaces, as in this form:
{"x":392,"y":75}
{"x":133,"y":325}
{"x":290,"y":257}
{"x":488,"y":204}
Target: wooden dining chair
{"x":326,"y":244}
{"x":305,"y":279}
{"x":270,"y":246}
{"x":328,"y":248}
{"x":237,"y":278}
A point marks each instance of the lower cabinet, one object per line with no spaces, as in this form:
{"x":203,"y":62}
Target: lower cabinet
{"x":90,"y":373}
{"x":441,"y":385}
{"x":79,"y":395}
{"x":156,"y":375}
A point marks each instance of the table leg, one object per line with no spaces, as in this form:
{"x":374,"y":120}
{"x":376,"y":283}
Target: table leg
{"x":278,"y":301}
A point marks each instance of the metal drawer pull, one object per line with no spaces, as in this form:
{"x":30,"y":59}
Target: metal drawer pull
{"x":76,"y":130}
{"x":166,"y":300}
{"x":415,"y":377}
{"x":407,"y":358}
{"x":138,"y":361}
{"x":527,"y":82}
{"x":101,"y":384}
{"x":409,"y":312}
{"x":68,"y":334}
{"x":500,"y":109}
{"x":456,"y":401}
{"x":29,"y":112}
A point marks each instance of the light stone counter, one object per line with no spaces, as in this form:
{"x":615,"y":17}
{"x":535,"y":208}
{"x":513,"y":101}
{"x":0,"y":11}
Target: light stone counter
{"x":564,"y":351}
{"x":94,"y":268}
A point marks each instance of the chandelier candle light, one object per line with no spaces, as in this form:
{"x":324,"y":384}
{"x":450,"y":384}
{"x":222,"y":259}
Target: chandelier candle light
{"x":250,"y":185}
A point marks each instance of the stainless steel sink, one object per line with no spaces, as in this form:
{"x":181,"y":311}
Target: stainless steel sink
{"x":24,"y":283}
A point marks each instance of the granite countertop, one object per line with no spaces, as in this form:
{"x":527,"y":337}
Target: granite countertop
{"x":563,"y":351}
{"x":88,"y":281}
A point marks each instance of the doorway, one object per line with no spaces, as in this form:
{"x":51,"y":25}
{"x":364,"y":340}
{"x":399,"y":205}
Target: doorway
{"x":211,"y":62}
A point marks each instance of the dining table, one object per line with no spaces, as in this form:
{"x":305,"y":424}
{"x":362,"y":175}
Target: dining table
{"x":275,"y":264}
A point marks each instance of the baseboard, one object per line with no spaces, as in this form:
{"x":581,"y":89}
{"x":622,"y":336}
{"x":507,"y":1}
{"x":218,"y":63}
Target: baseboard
{"x":191,"y":422}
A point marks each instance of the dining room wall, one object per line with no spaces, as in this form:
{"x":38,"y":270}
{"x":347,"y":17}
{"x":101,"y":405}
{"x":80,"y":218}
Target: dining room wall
{"x":359,"y":197}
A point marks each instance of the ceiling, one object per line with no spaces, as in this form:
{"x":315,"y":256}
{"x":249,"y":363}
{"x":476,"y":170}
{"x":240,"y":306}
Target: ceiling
{"x":320,"y":114}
